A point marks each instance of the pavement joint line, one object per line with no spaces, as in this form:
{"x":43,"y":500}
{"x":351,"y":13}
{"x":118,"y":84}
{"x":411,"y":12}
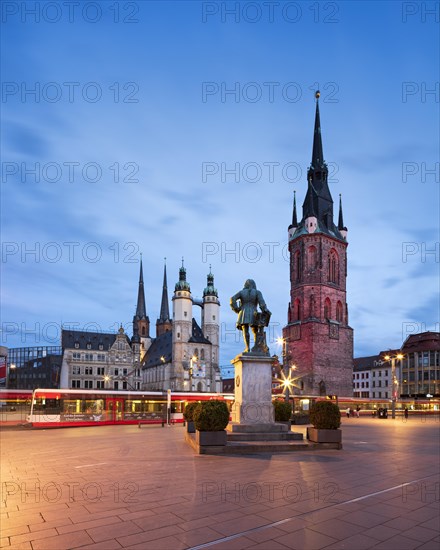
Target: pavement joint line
{"x":287,"y":520}
{"x":90,"y":465}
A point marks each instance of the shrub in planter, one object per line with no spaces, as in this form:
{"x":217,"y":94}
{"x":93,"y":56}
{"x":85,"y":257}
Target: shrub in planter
{"x":211,"y":416}
{"x":325,"y":415}
{"x":188,"y":413}
{"x":283,"y":411}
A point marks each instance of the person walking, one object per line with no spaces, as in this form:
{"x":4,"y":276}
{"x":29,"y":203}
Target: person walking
{"x":347,"y":412}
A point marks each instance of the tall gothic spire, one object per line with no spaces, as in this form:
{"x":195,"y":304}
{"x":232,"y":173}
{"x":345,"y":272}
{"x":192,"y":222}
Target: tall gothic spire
{"x":317,"y":153}
{"x":318,"y":201}
{"x":141,"y":310}
{"x":164,"y":307}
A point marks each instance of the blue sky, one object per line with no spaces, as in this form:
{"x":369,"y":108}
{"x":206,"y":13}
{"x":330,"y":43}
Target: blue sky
{"x":132,"y":132}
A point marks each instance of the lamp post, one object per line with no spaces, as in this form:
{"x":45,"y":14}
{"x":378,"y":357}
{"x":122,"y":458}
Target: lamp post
{"x":394,"y":381}
{"x":287,"y":381}
{"x":191,"y":366}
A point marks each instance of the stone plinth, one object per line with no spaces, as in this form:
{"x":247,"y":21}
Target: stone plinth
{"x":253,"y":392}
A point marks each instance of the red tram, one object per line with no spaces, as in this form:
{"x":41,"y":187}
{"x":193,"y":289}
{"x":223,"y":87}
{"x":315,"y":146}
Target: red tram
{"x":66,"y":407}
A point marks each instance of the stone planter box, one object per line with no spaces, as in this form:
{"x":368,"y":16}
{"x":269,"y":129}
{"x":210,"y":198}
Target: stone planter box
{"x":324,"y":436}
{"x":211,"y":438}
{"x":190,"y":428}
{"x":303,"y":419}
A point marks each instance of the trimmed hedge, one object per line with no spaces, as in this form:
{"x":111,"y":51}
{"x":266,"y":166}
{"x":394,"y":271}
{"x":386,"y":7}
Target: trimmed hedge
{"x":211,"y":416}
{"x":283,"y":411}
{"x":325,"y":415}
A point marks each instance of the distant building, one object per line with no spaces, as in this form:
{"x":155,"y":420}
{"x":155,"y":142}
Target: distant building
{"x":29,"y":368}
{"x":183,"y":356}
{"x":97,"y":360}
{"x":417,"y":372}
{"x":420,"y":365}
{"x":318,"y":338}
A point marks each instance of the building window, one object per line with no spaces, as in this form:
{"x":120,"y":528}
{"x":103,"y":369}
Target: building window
{"x":116,"y":372}
{"x":88,"y":356}
{"x":76,"y":383}
{"x":88,"y":384}
{"x":89,"y":346}
{"x":333,"y":267}
{"x":101,"y":357}
{"x":116,"y":385}
{"x":88,"y":370}
{"x":100,"y":347}
{"x":76,"y":345}
{"x":76,"y":370}
{"x":100,"y":384}
{"x":339,"y":312}
{"x":100,"y":371}
{"x":76,"y":355}
{"x":312,"y":257}
{"x":327,"y":309}
{"x":297,"y":310}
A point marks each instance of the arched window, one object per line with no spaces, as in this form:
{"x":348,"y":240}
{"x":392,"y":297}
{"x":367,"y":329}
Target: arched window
{"x":312,"y":257}
{"x":312,"y":306}
{"x":196,"y":353}
{"x":333,"y":267}
{"x":297,"y":266}
{"x":327,"y":309}
{"x":202,"y":354}
{"x":143,"y":331}
{"x":297,"y":310}
{"x":339,"y":312}
{"x":199,"y":386}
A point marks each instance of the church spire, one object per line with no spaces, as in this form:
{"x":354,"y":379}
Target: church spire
{"x":141,"y":322}
{"x":317,"y":152}
{"x":141,"y":311}
{"x":318,"y":201}
{"x":164,"y":308}
{"x":164,"y":324}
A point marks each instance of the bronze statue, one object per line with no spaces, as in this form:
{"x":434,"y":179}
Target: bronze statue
{"x":248,"y":316}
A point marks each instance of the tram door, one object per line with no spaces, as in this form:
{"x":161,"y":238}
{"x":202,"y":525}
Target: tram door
{"x":115,"y":407}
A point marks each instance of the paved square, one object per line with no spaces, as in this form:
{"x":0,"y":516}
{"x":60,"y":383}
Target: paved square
{"x":117,"y":487}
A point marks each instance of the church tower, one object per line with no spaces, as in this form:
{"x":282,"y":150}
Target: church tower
{"x":182,"y":329}
{"x":141,"y":322}
{"x":318,"y":338}
{"x":211,"y":327}
{"x":164,"y":324}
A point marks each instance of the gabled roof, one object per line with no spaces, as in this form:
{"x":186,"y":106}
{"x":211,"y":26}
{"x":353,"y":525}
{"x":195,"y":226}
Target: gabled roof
{"x":161,"y":347}
{"x":82,"y":337}
{"x":197,"y":334}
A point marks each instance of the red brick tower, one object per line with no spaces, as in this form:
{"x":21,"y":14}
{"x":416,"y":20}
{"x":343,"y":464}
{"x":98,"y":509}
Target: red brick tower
{"x":319,"y":341}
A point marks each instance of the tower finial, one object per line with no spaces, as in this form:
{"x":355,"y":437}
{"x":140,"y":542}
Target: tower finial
{"x":294,"y":216}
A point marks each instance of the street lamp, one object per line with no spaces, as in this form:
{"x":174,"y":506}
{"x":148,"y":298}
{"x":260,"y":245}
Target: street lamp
{"x":191,"y":363}
{"x":394,"y":381}
{"x":286,"y":381}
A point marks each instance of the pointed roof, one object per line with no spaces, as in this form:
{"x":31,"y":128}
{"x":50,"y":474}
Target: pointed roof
{"x":340,"y":219}
{"x":317,"y":152}
{"x":294,"y":216}
{"x":210,"y":290}
{"x":141,"y":310}
{"x":164,"y":307}
{"x":182,"y":284}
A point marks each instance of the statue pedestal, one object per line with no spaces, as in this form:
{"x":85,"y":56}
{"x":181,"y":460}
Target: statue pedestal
{"x":253,"y":394}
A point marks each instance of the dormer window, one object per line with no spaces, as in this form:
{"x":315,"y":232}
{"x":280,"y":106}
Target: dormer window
{"x":76,"y":345}
{"x":89,"y":346}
